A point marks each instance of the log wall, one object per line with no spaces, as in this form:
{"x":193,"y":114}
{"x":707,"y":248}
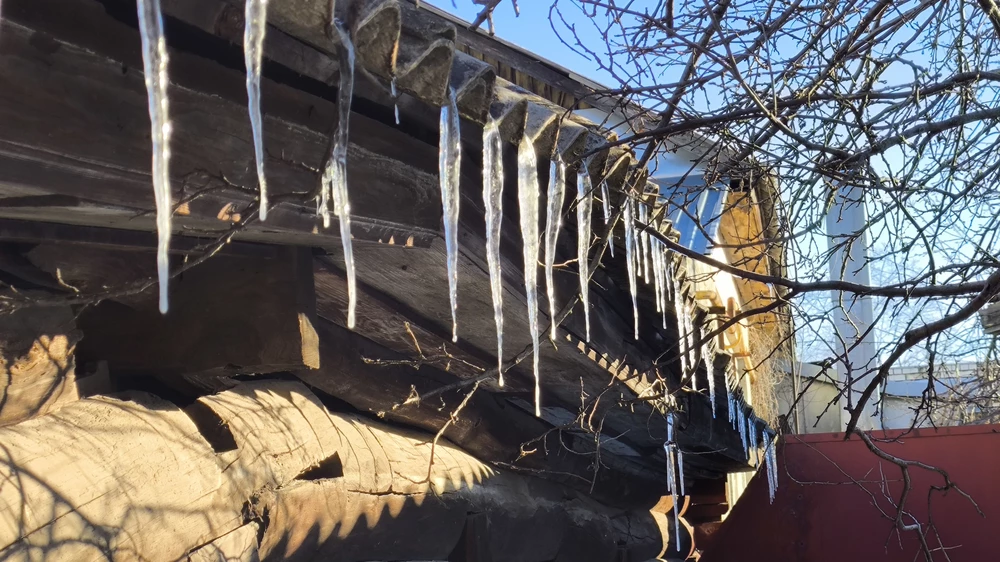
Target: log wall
{"x":265,"y":470}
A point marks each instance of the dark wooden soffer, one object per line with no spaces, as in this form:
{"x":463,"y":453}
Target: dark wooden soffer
{"x":228,"y":316}
{"x":75,"y":125}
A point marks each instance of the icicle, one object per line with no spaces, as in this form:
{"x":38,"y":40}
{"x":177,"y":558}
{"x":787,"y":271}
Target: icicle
{"x":395,"y":97}
{"x":672,"y":473}
{"x":449,"y":168}
{"x":253,"y":52}
{"x":154,"y":61}
{"x":644,"y":239}
{"x":752,"y":431}
{"x":709,"y":357}
{"x":678,"y":310}
{"x":334,"y":182}
{"x":630,"y":262}
{"x":553,"y":224}
{"x":664,"y":284}
{"x":680,"y":469}
{"x":741,"y":419}
{"x":656,"y":281}
{"x":606,"y":201}
{"x":493,"y":203}
{"x":771,"y":465}
{"x":689,"y":344}
{"x":527,"y":198}
{"x":584,"y":207}
{"x":729,"y":397}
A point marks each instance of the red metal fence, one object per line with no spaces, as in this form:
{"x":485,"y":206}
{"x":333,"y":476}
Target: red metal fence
{"x":836,"y":501}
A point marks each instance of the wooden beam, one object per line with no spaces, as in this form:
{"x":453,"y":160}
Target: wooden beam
{"x":96,"y":148}
{"x":229,"y":315}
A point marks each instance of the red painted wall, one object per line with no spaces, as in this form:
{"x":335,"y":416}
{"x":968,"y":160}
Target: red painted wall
{"x":832,"y":494}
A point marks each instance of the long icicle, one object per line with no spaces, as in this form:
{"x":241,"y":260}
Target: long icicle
{"x":679,"y":308}
{"x":584,"y":209}
{"x":655,"y":259}
{"x":742,"y":421}
{"x":553,"y":224}
{"x":606,"y":201}
{"x":630,"y":262}
{"x":644,"y":240}
{"x":708,"y":356}
{"x":771,"y":462}
{"x":394,"y":92}
{"x":154,"y":62}
{"x":253,"y":51}
{"x":672,"y":472}
{"x":493,"y":203}
{"x":335,"y":175}
{"x":664,"y":284}
{"x":527,"y":199}
{"x":449,"y":166}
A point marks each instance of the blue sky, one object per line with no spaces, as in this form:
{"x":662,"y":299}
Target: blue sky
{"x":532,"y":31}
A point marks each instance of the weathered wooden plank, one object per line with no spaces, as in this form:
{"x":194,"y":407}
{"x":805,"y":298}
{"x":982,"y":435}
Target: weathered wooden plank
{"x":228,"y":315}
{"x":98,"y":143}
{"x":37,"y":368}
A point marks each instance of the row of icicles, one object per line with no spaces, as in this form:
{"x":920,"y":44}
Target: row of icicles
{"x":646,"y":256}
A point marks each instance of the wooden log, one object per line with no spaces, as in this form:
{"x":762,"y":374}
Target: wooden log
{"x":37,"y":368}
{"x":108,"y":479}
{"x":391,"y":502}
{"x":135,"y":477}
{"x":237,"y":546}
{"x":229,"y":315}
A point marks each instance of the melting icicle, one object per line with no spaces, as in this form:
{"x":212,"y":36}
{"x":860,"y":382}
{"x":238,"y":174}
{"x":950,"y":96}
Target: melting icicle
{"x":709,"y":357}
{"x":553,"y":224}
{"x":253,"y":52}
{"x":493,"y":202}
{"x":630,"y":262}
{"x":606,"y":201}
{"x":644,"y":240}
{"x":771,"y":465}
{"x":679,"y":311}
{"x":527,"y":199}
{"x":334,"y":182}
{"x":729,"y":397}
{"x":680,"y":469}
{"x":584,"y":207}
{"x":636,"y":211}
{"x":741,"y":420}
{"x":449,"y":166}
{"x":672,"y":472}
{"x":752,"y":430}
{"x":664,"y":284}
{"x":154,"y":62}
{"x":395,"y":98}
